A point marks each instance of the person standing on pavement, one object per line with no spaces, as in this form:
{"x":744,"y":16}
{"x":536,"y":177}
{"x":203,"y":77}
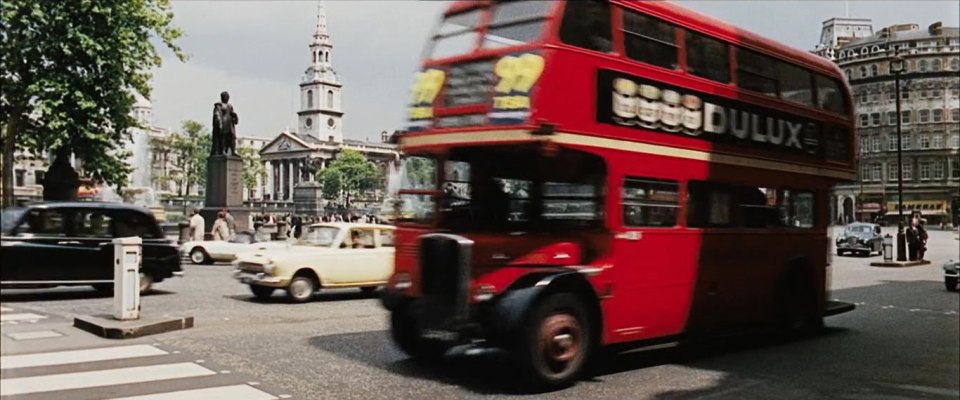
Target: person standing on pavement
{"x":231,"y":223}
{"x":922,"y":238}
{"x":913,"y":240}
{"x":196,"y":225}
{"x":220,"y":229}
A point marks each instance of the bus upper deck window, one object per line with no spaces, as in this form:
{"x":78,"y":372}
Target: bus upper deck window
{"x":586,"y":24}
{"x":516,"y":22}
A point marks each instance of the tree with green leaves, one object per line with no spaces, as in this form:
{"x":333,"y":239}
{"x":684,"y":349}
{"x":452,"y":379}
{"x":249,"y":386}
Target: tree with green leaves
{"x":69,"y":71}
{"x":252,"y":167}
{"x":190,"y":149}
{"x":349,"y":175}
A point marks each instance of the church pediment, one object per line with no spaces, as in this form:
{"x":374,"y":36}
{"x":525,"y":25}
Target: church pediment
{"x":283,"y":143}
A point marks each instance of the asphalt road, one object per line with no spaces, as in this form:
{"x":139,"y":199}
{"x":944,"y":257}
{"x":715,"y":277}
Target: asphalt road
{"x":902,"y":342}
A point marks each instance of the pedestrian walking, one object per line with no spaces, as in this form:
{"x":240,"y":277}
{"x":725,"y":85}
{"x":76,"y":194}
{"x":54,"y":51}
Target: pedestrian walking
{"x":231,"y":223}
{"x":220,"y":229}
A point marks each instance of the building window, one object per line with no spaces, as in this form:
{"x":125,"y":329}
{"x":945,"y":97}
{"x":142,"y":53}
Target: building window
{"x":863,"y":72}
{"x":937,"y":170}
{"x":329,"y":99}
{"x":892,"y":173}
{"x":935,"y":66}
{"x":309,"y":99}
{"x":650,"y":40}
{"x":892,"y":143}
{"x":935,"y":94}
{"x":955,"y":170}
{"x":874,"y":70}
{"x":905,"y":142}
{"x":877,"y":172}
{"x":936,"y":141}
{"x":876,"y":144}
{"x":924,"y":94}
{"x":865,"y":173}
{"x":875,"y":119}
{"x":907,"y":172}
{"x":875,"y":98}
{"x":955,"y":114}
{"x":924,"y":116}
{"x":892,"y":118}
{"x":955,"y":64}
{"x":904,"y":94}
{"x":955,"y":141}
{"x":937,"y":115}
{"x":924,"y":141}
{"x":924,"y":171}
{"x":922,"y":66}
{"x":864,"y":120}
{"x":20,"y":178}
{"x":905,"y":117}
{"x":38,"y":176}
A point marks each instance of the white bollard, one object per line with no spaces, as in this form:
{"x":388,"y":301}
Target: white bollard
{"x":126,"y":277}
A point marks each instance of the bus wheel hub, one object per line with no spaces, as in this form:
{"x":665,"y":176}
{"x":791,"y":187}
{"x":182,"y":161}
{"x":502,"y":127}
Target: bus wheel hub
{"x":560,"y":338}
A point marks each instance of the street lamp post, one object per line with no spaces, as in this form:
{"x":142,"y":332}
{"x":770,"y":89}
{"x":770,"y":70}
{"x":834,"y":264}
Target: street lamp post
{"x":896,"y":66}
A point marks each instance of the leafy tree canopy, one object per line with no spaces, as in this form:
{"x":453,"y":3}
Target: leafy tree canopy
{"x":191,"y":149}
{"x":69,"y":71}
{"x":349,"y":175}
{"x":252,"y":168}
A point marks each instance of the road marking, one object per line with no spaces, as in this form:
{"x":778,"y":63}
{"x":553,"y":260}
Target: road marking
{"x":235,"y":392}
{"x":21,"y":317}
{"x":34,"y":335}
{"x":107,"y":377}
{"x":4,"y":309}
{"x":78,"y":356}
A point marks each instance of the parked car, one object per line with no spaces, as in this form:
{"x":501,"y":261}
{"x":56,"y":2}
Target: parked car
{"x":54,"y":244}
{"x":328,"y":255}
{"x":951,"y":272}
{"x":860,"y":238}
{"x":206,"y":252}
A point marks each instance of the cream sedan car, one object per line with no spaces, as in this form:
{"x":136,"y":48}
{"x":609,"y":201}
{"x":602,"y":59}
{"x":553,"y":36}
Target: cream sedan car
{"x":209,"y":251}
{"x":328,"y":255}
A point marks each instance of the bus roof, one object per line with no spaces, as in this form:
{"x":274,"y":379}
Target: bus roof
{"x":687,"y":17}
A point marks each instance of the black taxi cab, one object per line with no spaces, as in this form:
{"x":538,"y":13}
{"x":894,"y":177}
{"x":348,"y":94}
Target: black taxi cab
{"x":70,"y":243}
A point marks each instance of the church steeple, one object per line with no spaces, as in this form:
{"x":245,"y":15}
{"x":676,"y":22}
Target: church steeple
{"x":320,"y":111}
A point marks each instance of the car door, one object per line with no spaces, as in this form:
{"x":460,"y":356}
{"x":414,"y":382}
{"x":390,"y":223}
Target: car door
{"x":90,"y":235}
{"x":354,"y":264}
{"x":159,"y":257}
{"x":40,"y":249}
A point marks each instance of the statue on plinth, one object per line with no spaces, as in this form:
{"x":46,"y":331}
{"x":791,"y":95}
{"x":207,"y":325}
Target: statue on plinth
{"x":224,"y":127}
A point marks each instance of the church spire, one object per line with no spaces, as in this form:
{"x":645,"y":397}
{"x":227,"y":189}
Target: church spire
{"x":321,"y":21}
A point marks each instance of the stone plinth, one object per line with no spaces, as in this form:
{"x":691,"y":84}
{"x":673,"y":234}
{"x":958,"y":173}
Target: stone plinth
{"x":225,"y":190}
{"x":308,"y":198}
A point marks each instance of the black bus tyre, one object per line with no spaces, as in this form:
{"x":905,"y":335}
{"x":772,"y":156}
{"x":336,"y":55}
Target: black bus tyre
{"x":798,"y":314}
{"x":555,"y":342}
{"x":406,"y":334}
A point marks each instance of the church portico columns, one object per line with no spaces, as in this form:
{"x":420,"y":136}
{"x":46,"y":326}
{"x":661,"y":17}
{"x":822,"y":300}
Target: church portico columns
{"x":290,"y":180}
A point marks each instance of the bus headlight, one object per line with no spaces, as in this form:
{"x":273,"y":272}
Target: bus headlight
{"x":484,"y":292}
{"x":401,"y":281}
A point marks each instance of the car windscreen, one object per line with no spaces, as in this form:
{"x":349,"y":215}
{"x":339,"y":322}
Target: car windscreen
{"x":322,"y":236}
{"x":10,"y":217}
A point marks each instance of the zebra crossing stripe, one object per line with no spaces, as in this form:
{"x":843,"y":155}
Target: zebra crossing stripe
{"x":20,"y":317}
{"x":235,"y":392}
{"x":107,"y":377}
{"x":78,"y":356}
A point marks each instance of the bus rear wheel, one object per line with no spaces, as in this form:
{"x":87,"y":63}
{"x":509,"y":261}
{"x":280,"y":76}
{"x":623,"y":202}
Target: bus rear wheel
{"x":556,"y":341}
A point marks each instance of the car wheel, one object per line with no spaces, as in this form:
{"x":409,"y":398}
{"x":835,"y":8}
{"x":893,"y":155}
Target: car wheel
{"x":301,"y":289}
{"x":368,"y":289}
{"x":199,"y":256}
{"x":839,"y":252}
{"x":146,"y":283}
{"x":555,"y":342}
{"x":950,"y":283}
{"x":405,"y":332}
{"x":262,"y":292}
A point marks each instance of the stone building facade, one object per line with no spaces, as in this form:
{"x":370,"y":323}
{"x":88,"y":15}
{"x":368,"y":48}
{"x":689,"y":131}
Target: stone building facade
{"x":930,"y":122}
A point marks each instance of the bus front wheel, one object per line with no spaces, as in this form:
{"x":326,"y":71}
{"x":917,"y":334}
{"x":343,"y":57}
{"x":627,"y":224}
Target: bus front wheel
{"x":406,"y":334}
{"x":556,"y":341}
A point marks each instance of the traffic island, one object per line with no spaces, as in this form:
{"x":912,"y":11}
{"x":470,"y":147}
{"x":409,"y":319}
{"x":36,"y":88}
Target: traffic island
{"x":899,"y":264}
{"x":107,"y":326}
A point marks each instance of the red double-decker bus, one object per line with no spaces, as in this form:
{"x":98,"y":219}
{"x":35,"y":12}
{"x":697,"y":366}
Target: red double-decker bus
{"x":592,"y":173}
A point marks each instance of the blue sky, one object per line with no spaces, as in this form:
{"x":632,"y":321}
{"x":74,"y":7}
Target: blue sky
{"x":257,"y":50}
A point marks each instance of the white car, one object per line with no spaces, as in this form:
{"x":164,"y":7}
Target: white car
{"x":328,"y":255}
{"x":208,"y":251}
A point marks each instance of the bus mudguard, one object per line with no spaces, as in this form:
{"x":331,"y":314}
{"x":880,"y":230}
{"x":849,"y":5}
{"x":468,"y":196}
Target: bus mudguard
{"x":515,"y":304}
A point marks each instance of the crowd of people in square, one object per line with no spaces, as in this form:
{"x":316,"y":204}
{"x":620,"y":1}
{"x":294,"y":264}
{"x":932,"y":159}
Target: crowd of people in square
{"x":290,"y":226}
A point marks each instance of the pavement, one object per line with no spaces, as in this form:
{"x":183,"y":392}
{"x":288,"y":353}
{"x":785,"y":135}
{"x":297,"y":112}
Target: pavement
{"x":902,"y":342}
